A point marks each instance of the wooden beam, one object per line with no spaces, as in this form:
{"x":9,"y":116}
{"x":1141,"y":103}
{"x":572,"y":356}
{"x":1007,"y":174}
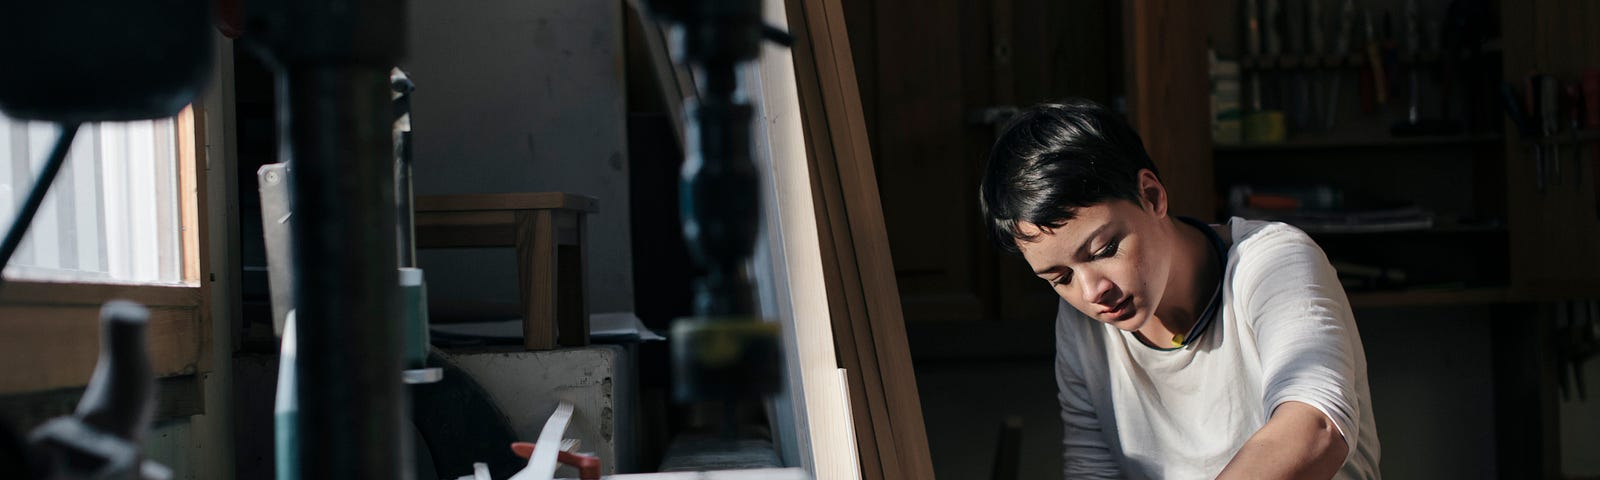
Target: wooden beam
{"x":54,"y":330}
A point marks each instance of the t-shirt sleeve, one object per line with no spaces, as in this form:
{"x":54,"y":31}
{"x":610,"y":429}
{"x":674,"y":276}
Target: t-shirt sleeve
{"x":1084,"y":450}
{"x":1306,"y":336}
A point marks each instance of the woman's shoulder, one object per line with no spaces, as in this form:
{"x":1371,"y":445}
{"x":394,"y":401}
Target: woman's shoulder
{"x":1249,"y":233}
{"x":1265,"y":253}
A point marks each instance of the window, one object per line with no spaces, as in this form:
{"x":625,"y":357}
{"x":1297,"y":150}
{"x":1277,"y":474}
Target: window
{"x":120,"y":222}
{"x":112,"y":214}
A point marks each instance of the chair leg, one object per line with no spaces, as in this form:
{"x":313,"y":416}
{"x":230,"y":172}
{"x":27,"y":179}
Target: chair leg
{"x":536,"y":273}
{"x":572,"y":309}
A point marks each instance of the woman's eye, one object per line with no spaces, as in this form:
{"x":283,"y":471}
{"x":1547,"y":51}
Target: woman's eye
{"x":1109,"y":250}
{"x":1062,"y":280}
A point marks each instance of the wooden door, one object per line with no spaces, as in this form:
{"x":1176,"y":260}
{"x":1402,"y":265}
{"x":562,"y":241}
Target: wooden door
{"x":936,"y":77}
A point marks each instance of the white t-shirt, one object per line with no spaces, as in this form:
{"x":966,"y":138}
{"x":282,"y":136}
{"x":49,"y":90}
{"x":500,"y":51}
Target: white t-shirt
{"x":1285,"y":333}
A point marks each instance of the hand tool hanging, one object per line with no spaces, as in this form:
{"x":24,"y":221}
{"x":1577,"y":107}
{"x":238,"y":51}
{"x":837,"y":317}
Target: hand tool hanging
{"x":1341,"y":51}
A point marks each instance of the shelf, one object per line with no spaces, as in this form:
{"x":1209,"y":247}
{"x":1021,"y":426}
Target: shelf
{"x":1314,"y":61}
{"x":1420,"y":298}
{"x":1436,"y":230}
{"x":1311,"y":142}
{"x":1568,"y":138}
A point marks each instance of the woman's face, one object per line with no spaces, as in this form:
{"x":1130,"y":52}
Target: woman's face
{"x":1111,"y":261}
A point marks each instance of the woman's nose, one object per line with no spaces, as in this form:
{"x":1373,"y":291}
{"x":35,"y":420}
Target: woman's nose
{"x":1096,"y":288}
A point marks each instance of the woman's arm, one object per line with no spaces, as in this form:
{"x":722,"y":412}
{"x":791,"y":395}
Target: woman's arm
{"x":1298,"y":442}
{"x":1312,"y":363}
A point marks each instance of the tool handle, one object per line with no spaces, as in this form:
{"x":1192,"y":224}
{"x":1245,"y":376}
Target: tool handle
{"x":588,"y":465}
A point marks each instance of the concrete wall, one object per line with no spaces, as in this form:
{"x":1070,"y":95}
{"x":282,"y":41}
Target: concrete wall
{"x":522,"y":96}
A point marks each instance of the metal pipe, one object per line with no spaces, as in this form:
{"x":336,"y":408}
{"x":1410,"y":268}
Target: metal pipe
{"x":334,"y":120}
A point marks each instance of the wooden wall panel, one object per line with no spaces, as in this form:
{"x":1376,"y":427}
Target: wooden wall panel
{"x":52,"y":332}
{"x":1169,"y":97}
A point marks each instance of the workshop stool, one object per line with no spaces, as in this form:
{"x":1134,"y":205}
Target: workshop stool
{"x":549,"y":233}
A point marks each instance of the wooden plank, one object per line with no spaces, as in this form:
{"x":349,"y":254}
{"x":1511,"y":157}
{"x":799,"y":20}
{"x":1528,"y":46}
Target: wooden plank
{"x":822,"y":409}
{"x":59,"y":344}
{"x":189,"y":195}
{"x":861,"y":251}
{"x":878,"y":278}
{"x":196,"y":227}
{"x":40,"y":293}
{"x":828,"y":209}
{"x":861,"y":16}
{"x":843,"y":298}
{"x":1168,"y":98}
{"x":506,"y":201}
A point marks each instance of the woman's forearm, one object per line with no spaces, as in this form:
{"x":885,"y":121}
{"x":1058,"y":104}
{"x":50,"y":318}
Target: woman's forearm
{"x":1299,"y":441}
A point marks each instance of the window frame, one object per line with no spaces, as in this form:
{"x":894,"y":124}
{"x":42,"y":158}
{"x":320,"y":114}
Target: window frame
{"x":50,"y":329}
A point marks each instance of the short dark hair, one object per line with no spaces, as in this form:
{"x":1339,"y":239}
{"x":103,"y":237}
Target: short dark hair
{"x":1054,"y":158}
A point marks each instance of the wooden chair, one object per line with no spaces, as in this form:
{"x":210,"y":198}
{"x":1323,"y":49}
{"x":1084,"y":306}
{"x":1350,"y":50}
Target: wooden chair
{"x":549,"y":233}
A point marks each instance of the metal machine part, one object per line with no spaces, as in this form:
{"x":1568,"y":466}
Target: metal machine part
{"x":401,"y":87}
{"x":725,"y":351}
{"x":332,"y":60}
{"x":101,"y":61}
{"x":103,"y":437}
{"x":98,"y":61}
{"x":272,"y":180}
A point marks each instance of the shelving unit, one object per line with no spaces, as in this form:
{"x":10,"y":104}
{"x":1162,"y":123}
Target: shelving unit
{"x":1528,"y":236}
{"x":1350,"y":145}
{"x":1337,"y":142}
{"x":1430,"y":297}
{"x":1456,"y":177}
{"x":1314,"y":61}
{"x":1568,"y":138}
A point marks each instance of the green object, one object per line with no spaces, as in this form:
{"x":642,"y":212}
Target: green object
{"x":286,"y":409}
{"x":1265,"y":126}
{"x":414,"y":312}
{"x":1227,"y":123}
{"x":724,"y":357}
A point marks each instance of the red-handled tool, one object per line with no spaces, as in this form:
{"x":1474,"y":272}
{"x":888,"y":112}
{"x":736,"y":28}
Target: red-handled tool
{"x":588,"y":466}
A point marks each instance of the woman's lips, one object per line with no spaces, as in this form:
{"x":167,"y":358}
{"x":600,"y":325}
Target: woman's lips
{"x":1121,"y":311}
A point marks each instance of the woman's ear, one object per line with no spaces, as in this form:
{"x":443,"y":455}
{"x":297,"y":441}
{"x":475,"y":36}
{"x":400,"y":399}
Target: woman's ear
{"x":1152,"y":194}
